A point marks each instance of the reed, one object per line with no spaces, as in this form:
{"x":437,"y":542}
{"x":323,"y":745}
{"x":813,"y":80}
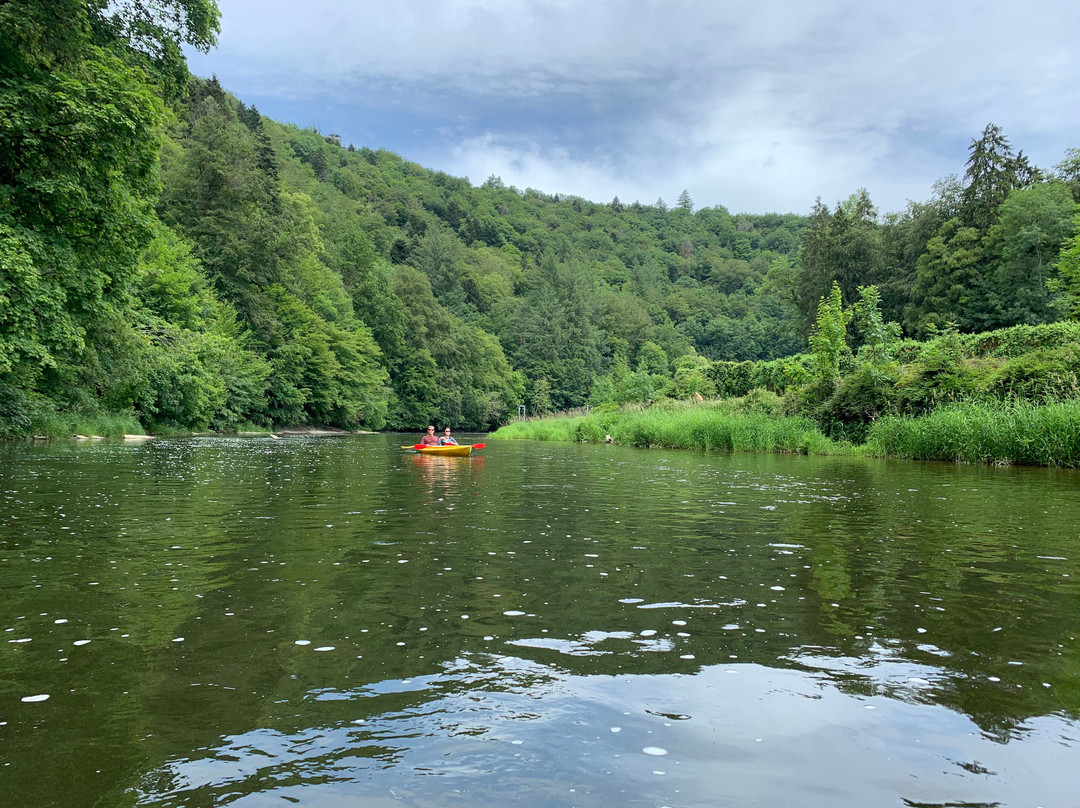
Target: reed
{"x":1017,"y":432}
{"x":702,"y":427}
{"x":64,"y":425}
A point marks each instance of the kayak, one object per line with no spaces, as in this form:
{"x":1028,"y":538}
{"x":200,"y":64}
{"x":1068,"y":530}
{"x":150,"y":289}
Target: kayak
{"x":445,"y":451}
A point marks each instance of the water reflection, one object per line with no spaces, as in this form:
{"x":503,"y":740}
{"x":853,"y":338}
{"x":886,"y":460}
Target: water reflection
{"x":735,"y":734}
{"x":321,"y":620}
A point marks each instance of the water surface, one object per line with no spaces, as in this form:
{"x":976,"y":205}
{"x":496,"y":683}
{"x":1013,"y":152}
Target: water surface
{"x":335,"y":622}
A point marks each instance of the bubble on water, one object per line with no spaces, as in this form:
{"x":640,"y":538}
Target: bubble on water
{"x":488,"y":638}
{"x":178,"y":639}
{"x":921,"y":630}
{"x":81,"y":642}
{"x":777,"y":588}
{"x":403,"y":561}
{"x":687,"y":656}
{"x":61,"y":621}
{"x":616,"y":730}
{"x":325,"y":648}
{"x":514,"y":613}
{"x":303,"y":642}
{"x":648,"y":632}
{"x":38,"y":697}
{"x":993,"y":679}
{"x":678,"y":622}
{"x":657,"y":751}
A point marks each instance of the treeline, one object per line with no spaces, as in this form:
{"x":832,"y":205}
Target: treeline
{"x":169,"y":253}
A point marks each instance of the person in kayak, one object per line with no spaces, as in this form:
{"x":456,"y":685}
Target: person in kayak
{"x":447,"y":439}
{"x":430,"y":439}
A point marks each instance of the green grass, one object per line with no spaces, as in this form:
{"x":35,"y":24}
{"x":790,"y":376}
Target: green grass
{"x":1020,"y":433}
{"x":1016,"y":433}
{"x":65,"y":425}
{"x":700,"y":427}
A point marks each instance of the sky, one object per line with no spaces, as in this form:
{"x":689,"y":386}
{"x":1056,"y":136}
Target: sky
{"x":758,"y":106}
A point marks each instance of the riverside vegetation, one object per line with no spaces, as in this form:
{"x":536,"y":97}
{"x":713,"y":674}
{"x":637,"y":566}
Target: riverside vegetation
{"x":1008,"y":397}
{"x":172,"y":260}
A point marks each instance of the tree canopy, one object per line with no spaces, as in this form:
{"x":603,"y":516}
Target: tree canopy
{"x":169,"y":252}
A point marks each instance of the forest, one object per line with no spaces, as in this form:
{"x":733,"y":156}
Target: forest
{"x":172,"y":258}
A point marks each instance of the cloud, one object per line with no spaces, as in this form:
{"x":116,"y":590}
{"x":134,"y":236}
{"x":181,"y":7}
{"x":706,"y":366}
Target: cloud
{"x":756,"y":107}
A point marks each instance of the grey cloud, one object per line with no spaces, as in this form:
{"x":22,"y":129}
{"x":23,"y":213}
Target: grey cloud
{"x":742,"y":103}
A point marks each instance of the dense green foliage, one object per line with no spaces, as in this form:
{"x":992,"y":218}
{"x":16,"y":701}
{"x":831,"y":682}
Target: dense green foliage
{"x":169,"y":254}
{"x":1006,"y":396}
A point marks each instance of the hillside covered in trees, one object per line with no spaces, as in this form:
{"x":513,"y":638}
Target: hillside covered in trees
{"x":169,"y":253}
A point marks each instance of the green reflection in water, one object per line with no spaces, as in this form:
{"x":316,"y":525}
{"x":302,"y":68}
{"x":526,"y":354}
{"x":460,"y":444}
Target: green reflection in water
{"x":322,"y":619}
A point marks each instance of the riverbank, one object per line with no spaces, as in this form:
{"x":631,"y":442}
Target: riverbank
{"x":1010,"y":433}
{"x":81,"y":428}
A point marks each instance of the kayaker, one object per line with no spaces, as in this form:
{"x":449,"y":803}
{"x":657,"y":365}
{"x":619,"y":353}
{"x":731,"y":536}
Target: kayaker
{"x":430,"y":439}
{"x":446,"y":439}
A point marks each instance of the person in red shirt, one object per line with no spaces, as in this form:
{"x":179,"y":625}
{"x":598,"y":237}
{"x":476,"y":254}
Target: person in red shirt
{"x":430,"y":439}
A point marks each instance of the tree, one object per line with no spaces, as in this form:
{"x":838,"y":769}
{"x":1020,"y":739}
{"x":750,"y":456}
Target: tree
{"x":437,"y":257}
{"x":79,"y":144}
{"x":950,"y":283}
{"x":556,"y":332}
{"x":828,"y":340}
{"x":685,"y":202}
{"x":843,"y":247}
{"x":223,"y":193}
{"x":878,"y":336}
{"x":1032,"y":225}
{"x":1067,"y":284}
{"x":993,"y":170}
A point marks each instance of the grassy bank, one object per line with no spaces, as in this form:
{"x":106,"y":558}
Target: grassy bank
{"x":1018,"y":433}
{"x":707,"y":426}
{"x":65,"y":425}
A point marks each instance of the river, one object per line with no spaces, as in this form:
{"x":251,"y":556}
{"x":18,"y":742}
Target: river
{"x":332,"y":621}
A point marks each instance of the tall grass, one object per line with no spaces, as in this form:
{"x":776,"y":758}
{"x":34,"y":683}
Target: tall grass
{"x":64,"y":425}
{"x":1017,"y":432}
{"x":1020,"y":432}
{"x":682,"y":428}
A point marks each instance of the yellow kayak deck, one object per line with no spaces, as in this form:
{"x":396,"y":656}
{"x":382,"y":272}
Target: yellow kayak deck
{"x":445,"y":451}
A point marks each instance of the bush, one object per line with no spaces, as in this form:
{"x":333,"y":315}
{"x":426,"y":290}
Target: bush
{"x":858,"y":401}
{"x":1042,"y":375}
